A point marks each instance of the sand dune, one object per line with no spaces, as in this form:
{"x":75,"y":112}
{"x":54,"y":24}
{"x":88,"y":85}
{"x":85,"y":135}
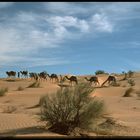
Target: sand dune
{"x":19,"y":110}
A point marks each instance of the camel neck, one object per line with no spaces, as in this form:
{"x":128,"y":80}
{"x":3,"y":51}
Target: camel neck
{"x":87,"y":79}
{"x":67,"y":77}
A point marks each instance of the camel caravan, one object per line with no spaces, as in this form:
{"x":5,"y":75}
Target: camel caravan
{"x":54,"y":78}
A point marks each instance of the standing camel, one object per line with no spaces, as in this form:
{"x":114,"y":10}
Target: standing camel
{"x":24,"y":73}
{"x":34,"y":76}
{"x":11,"y":73}
{"x":43,"y":75}
{"x":53,"y":76}
{"x":72,"y":79}
{"x":62,"y":79}
{"x":93,"y":79}
{"x":109,"y":79}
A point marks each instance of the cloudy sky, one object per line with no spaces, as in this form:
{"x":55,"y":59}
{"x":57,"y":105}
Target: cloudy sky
{"x":69,"y":37}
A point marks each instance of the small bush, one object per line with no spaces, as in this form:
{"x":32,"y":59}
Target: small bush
{"x":128,"y":92}
{"x":3,"y":91}
{"x":99,"y":72}
{"x":131,"y":82}
{"x":20,"y":88}
{"x":69,"y":108}
{"x":34,"y":85}
{"x":130,"y":73}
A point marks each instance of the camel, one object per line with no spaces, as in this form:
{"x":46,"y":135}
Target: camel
{"x":11,"y":73}
{"x":24,"y":73}
{"x":125,"y":77}
{"x":110,"y":79}
{"x":93,"y":79}
{"x":34,"y":76}
{"x":72,"y":79}
{"x":53,"y":76}
{"x":18,"y":74}
{"x":43,"y":75}
{"x":62,"y":79}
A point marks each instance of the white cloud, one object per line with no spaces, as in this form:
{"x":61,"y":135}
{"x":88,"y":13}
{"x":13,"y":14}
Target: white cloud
{"x":69,"y":21}
{"x":25,"y":34}
{"x":5,"y":4}
{"x":64,"y":8}
{"x":101,"y":23}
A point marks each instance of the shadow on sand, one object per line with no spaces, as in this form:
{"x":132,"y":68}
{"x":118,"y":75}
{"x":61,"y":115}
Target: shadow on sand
{"x":35,"y":106}
{"x":23,"y":131}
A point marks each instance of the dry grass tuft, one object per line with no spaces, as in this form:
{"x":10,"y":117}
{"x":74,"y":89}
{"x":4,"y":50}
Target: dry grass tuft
{"x":20,"y":88}
{"x":128,"y":92}
{"x":3,"y":91}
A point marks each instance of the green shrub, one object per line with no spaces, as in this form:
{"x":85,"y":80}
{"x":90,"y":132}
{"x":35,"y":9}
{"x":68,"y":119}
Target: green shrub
{"x":34,"y":85}
{"x":99,"y":72}
{"x":131,"y":82}
{"x":3,"y":91}
{"x":69,"y":108}
{"x":128,"y":92}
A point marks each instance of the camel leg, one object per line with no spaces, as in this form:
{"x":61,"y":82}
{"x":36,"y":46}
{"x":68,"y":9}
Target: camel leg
{"x":70,"y":83}
{"x":104,"y":82}
{"x":95,"y":83}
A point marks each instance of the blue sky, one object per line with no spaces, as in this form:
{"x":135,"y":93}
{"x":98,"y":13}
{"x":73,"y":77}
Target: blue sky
{"x":69,"y":37}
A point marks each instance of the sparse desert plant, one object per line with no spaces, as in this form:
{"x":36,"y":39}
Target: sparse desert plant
{"x":131,"y":82}
{"x":34,"y":85}
{"x":130,"y":73}
{"x":3,"y":91}
{"x":125,"y":76}
{"x":69,"y":108}
{"x":128,"y":92}
{"x":99,"y":72}
{"x":20,"y":88}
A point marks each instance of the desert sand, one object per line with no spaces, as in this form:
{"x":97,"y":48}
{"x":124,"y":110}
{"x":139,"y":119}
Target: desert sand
{"x":19,"y":113}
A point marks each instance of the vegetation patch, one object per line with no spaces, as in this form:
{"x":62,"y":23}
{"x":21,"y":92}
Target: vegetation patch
{"x":20,"y":88}
{"x":131,"y":82}
{"x":3,"y":91}
{"x":99,"y":72}
{"x":69,"y":108}
{"x":128,"y":92}
{"x":130,"y":73}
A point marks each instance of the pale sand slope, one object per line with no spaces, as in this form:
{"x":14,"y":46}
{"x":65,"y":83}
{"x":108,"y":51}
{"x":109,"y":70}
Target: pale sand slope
{"x":24,"y":119}
{"x":124,"y":109}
